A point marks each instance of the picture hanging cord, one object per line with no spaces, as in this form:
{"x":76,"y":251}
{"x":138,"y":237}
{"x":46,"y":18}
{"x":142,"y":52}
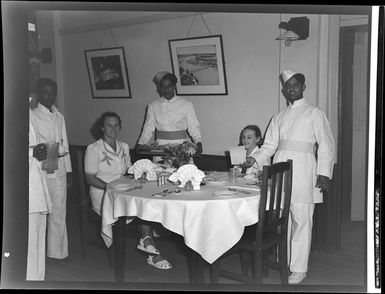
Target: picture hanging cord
{"x":193,"y":23}
{"x":112,"y":35}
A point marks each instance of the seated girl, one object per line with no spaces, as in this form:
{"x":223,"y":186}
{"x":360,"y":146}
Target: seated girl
{"x":107,"y":160}
{"x":251,"y":139}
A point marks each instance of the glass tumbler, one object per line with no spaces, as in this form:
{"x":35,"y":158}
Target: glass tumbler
{"x":51,"y":163}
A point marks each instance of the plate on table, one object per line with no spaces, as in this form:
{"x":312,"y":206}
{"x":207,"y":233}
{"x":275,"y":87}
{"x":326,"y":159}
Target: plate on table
{"x":176,"y":183}
{"x":252,"y":182}
{"x":225,"y":193}
{"x":121,"y":186}
{"x":214,"y":181}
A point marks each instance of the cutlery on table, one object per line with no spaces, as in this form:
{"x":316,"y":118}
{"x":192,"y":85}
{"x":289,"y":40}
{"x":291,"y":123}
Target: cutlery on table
{"x":166,"y":192}
{"x":138,"y":187}
{"x":239,"y":190}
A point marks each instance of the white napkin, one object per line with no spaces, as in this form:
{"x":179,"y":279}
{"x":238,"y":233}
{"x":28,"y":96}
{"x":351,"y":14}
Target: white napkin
{"x":188,"y":172}
{"x":141,"y":166}
{"x":120,"y":185}
{"x":237,"y":155}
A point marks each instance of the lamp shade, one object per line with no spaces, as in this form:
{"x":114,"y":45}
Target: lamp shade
{"x":288,"y":35}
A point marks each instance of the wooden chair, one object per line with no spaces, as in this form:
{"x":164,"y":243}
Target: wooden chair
{"x":269,"y":232}
{"x":87,"y":214}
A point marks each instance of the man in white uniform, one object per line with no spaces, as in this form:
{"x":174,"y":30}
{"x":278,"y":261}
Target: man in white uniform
{"x":293,"y":134}
{"x":170,"y":116}
{"x":39,"y":206}
{"x":50,"y":126}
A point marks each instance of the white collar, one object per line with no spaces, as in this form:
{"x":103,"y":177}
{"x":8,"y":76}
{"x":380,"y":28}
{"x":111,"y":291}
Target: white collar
{"x":255,"y":149}
{"x":297,"y":103}
{"x":109,"y":149}
{"x":42,"y":108}
{"x":171,"y":100}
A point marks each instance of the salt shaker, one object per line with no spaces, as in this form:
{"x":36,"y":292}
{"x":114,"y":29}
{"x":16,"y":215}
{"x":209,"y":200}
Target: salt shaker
{"x":161,"y":180}
{"x":143,"y":178}
{"x":188,"y":186}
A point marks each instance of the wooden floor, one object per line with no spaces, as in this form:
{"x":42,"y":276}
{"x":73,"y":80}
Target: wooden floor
{"x":340,"y":269}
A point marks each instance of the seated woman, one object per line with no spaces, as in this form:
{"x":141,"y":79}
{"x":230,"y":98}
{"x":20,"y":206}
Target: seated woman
{"x":107,"y":160}
{"x":252,"y":140}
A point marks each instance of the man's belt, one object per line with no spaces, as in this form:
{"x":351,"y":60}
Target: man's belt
{"x":291,"y":145}
{"x":171,"y":135}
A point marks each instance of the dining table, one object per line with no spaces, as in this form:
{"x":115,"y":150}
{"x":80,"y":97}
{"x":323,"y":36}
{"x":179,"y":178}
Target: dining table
{"x":211,"y":220}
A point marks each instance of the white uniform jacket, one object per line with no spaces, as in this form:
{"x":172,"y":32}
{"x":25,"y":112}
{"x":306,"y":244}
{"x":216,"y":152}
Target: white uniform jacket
{"x":50,"y":126}
{"x":175,"y":114}
{"x":39,"y":199}
{"x":101,"y":160}
{"x":292,"y":134}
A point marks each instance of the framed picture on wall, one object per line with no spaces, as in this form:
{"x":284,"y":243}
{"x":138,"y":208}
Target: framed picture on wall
{"x":107,"y":71}
{"x":199,"y":65}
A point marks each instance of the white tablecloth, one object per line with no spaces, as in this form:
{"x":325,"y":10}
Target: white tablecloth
{"x":210,"y":225}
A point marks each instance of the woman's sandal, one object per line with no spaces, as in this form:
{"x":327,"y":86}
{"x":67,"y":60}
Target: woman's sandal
{"x":149,"y":248}
{"x":162,"y":264}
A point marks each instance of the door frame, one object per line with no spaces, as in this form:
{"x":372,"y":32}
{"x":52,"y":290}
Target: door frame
{"x":345,"y":119}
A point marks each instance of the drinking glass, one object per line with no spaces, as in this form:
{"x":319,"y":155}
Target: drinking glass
{"x":233,"y":175}
{"x":51,"y":163}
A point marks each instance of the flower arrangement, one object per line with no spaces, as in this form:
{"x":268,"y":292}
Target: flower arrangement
{"x":180,"y":154}
{"x":153,"y":147}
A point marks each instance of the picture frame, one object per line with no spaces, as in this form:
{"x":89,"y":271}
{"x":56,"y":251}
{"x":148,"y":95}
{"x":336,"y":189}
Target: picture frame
{"x":198,"y":63}
{"x":107,"y":72}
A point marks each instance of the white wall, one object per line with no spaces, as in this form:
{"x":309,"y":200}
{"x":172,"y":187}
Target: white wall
{"x":253,"y":60}
{"x":251,"y":68}
{"x":44,"y":23}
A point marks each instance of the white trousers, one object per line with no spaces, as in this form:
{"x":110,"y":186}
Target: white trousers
{"x":37,"y":223}
{"x":57,"y":242}
{"x":299,"y":236}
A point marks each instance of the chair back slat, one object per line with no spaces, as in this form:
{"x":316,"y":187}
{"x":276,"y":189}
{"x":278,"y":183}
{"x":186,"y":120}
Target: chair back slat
{"x":273,"y":192}
{"x":278,"y":197}
{"x":262,"y":205}
{"x":287,"y":191}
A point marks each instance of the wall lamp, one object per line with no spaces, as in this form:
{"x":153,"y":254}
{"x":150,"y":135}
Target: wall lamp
{"x":297,"y":28}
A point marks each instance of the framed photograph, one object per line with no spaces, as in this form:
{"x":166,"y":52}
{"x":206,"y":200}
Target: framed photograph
{"x":199,"y":65}
{"x":107,"y":71}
